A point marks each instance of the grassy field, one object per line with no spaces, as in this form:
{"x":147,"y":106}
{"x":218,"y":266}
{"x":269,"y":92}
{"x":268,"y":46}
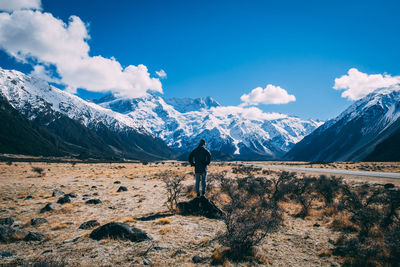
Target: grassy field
{"x":307,"y":240}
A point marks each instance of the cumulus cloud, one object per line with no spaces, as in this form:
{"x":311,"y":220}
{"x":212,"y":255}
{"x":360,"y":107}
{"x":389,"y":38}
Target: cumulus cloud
{"x":43,"y":40}
{"x":161,"y":74}
{"x":246,"y":112}
{"x":357,"y":84}
{"x":12,"y":5}
{"x":269,"y":95}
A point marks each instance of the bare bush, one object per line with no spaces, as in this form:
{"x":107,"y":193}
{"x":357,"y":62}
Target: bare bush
{"x":174,"y":187}
{"x":250,"y":215}
{"x":38,"y":170}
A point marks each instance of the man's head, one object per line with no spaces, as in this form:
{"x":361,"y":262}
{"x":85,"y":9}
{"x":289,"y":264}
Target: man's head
{"x":202,"y":142}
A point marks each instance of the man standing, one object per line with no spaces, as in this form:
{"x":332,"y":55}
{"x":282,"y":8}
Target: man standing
{"x":200,"y":157}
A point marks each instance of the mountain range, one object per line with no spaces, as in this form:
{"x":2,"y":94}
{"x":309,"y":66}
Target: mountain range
{"x":230,"y":133}
{"x":40,"y":119}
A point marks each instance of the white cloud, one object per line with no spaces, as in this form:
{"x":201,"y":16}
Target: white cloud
{"x":251,"y":112}
{"x":269,"y":95}
{"x":34,"y":36}
{"x":12,"y":5}
{"x":161,"y":74}
{"x":357,"y":84}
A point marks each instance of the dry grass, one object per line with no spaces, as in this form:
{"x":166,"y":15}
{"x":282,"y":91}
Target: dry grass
{"x":298,"y":239}
{"x":163,"y":221}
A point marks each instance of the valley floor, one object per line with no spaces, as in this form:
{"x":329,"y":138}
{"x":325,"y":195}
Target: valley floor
{"x":176,"y":240}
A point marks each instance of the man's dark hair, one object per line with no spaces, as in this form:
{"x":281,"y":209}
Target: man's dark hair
{"x":202,"y":142}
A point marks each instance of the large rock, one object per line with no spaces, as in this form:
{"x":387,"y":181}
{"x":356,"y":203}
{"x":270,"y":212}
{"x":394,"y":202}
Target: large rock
{"x":122,"y":188}
{"x":9,"y":234}
{"x":94,"y":201}
{"x":89,"y":224}
{"x":48,"y":207}
{"x":5,"y":254}
{"x":38,"y":221}
{"x":63,"y":200}
{"x":34,"y":236}
{"x":121,"y":231}
{"x":57,"y":192}
{"x":6,"y":221}
{"x":201,"y":206}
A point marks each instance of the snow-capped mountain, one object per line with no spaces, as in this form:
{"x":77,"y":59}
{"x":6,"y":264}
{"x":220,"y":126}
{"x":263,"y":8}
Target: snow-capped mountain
{"x":75,"y":119}
{"x":231,"y":132}
{"x":356,"y":132}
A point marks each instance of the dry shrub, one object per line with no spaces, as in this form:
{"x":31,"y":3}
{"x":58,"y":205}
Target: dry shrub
{"x":374,"y":210}
{"x":174,"y":187}
{"x":250,"y":215}
{"x":46,"y":261}
{"x":165,"y":230}
{"x":163,"y":221}
{"x":129,"y":220}
{"x":58,"y":226}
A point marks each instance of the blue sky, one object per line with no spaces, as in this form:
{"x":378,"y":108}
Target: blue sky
{"x":224,"y":49}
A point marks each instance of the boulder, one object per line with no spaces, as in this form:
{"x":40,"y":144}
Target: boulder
{"x":89,"y":224}
{"x":93,"y":201}
{"x":201,"y":206}
{"x":9,"y":234}
{"x":63,"y":200}
{"x":6,"y":221}
{"x":71,"y":195}
{"x":38,"y":221}
{"x":34,"y":236}
{"x":57,"y":192}
{"x":122,"y":188}
{"x":48,"y":207}
{"x":116,"y":230}
{"x":5,"y":254}
{"x":198,"y":259}
{"x":117,"y":182}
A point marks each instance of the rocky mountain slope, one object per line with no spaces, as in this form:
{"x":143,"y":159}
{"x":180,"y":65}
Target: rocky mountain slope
{"x":367,"y":130}
{"x":87,"y":129}
{"x":231,"y":132}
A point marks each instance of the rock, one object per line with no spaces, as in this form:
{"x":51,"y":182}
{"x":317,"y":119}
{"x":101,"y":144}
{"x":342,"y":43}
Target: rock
{"x":117,"y":182}
{"x":89,"y":224}
{"x":146,"y":262}
{"x":94,"y":187}
{"x":29,"y":197}
{"x":388,"y":186}
{"x":95,"y":194}
{"x":37,"y":221}
{"x":63,"y":200}
{"x":57,"y":192}
{"x":48,"y":207}
{"x":93,"y":201}
{"x":5,"y":254}
{"x":316,"y":225}
{"x":197,"y":259}
{"x":6,"y":221}
{"x":201,"y":206}
{"x":9,"y":234}
{"x":178,"y":252}
{"x":122,"y":188}
{"x":72,"y":195}
{"x":47,"y":251}
{"x":121,"y":231}
{"x":34,"y":236}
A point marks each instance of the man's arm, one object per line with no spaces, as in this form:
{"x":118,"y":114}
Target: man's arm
{"x":208,"y":160}
{"x":191,"y":158}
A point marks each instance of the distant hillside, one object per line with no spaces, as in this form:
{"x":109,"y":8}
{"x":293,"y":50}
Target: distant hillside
{"x":63,"y":124}
{"x":367,"y":130}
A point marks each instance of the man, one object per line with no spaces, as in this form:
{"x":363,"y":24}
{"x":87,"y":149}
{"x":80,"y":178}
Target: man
{"x":200,"y":157}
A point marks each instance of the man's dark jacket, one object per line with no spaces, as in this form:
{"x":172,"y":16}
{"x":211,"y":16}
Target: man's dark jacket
{"x":200,"y":158}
